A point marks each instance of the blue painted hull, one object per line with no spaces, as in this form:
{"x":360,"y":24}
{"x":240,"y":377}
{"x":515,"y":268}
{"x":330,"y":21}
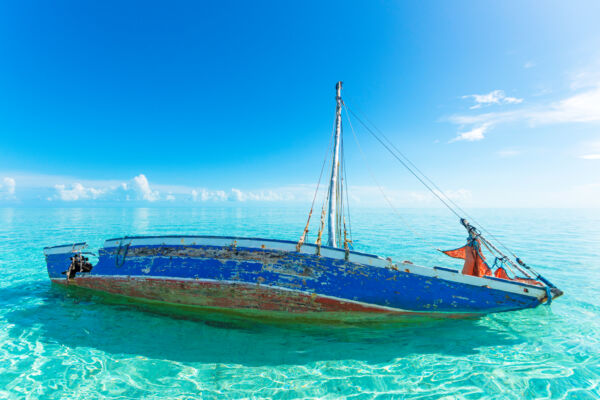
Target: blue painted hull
{"x":269,"y":275}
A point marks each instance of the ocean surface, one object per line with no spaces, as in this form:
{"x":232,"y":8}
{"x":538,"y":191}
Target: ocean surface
{"x":56,"y":343}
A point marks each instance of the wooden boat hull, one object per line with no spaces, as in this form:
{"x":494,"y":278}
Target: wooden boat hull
{"x":271,"y":275}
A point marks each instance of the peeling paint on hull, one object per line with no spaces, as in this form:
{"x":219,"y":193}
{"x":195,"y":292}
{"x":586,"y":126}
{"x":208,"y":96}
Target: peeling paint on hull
{"x":243,"y":299}
{"x":262,"y":274}
{"x":222,"y":295}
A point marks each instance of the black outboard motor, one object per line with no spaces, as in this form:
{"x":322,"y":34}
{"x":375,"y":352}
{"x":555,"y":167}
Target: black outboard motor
{"x":79,"y":263}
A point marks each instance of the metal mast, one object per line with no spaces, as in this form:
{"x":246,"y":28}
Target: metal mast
{"x":335,"y":166}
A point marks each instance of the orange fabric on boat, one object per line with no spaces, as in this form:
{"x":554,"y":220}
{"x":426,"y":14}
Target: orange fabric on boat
{"x":529,"y":281}
{"x":456,"y":253}
{"x":474,"y":264}
{"x":501,"y":273}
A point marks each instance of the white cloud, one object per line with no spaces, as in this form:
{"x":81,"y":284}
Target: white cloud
{"x":472,"y":135}
{"x":136,"y":189}
{"x":290,"y":193}
{"x":237,"y":195}
{"x":142,"y":187}
{"x":508,"y":153}
{"x":581,"y":107}
{"x":8,"y":188}
{"x":9,"y":184}
{"x":589,"y":150}
{"x":57,"y":189}
{"x":493,"y":97}
{"x":268,"y":195}
{"x":208,"y":195}
{"x":529,"y":64}
{"x":586,"y":78}
{"x":77,"y":192}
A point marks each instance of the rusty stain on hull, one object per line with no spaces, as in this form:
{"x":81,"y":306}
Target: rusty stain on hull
{"x":232,"y":296}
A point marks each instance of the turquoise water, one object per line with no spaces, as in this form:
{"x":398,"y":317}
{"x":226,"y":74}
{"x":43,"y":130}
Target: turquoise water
{"x":56,"y":343}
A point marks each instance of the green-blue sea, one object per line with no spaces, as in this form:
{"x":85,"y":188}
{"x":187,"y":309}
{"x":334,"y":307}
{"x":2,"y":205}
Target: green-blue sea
{"x":59,"y":343}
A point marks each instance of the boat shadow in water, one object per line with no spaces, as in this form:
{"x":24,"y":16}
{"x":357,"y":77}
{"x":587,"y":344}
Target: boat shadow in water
{"x":79,"y":318}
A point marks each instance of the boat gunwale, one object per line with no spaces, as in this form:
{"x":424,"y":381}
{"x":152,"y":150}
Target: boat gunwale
{"x":65,"y":245}
{"x":244,"y":238}
{"x":493,"y":278}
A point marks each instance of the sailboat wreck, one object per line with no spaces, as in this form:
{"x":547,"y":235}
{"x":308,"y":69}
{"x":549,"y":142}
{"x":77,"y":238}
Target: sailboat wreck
{"x":311,"y":280}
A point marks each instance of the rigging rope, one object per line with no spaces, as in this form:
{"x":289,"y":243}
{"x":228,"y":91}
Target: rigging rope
{"x":305,"y":232}
{"x":340,"y":220}
{"x":345,"y":176}
{"x":402,"y":162}
{"x":439,"y":193}
{"x":341,"y":184}
{"x":320,"y":233}
{"x":473,"y":220}
{"x":338,"y":205}
{"x":396,"y":212}
{"x":327,"y":194}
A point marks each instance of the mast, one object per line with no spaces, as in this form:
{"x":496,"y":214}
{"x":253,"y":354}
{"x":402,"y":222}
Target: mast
{"x":335,"y":168}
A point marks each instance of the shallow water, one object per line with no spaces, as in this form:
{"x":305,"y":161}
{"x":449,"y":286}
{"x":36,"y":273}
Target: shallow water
{"x":56,"y":343}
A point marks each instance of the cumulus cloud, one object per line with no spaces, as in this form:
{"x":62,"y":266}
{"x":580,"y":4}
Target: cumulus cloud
{"x":77,"y":192}
{"x":268,"y":195}
{"x":141,"y":186}
{"x":208,"y":195}
{"x":8,"y":188}
{"x":136,"y":189}
{"x":140,"y":189}
{"x":590,"y":156}
{"x":494,"y":97}
{"x":290,"y":193}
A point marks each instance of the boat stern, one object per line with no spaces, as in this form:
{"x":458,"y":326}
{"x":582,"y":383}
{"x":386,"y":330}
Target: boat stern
{"x":59,"y":259}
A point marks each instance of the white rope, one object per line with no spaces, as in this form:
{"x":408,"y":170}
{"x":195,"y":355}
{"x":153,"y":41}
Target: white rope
{"x":394,"y":210}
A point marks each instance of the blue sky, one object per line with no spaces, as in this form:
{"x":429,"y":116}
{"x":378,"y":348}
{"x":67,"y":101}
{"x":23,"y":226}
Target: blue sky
{"x":192,"y":103}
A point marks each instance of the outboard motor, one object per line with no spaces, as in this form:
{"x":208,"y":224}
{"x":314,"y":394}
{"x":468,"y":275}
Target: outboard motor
{"x":79,"y":263}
